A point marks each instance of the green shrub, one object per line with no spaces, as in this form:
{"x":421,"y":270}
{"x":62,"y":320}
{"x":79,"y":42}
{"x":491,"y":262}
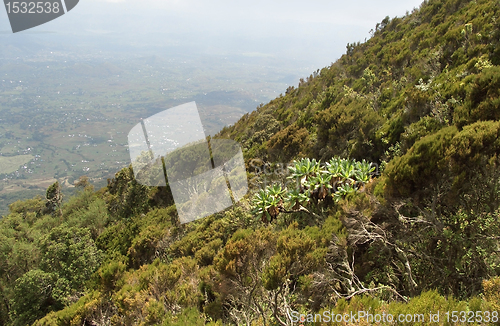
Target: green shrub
{"x":483,"y":100}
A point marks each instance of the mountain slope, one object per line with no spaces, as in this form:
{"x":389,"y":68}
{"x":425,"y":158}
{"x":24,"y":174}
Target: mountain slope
{"x":422,"y":65}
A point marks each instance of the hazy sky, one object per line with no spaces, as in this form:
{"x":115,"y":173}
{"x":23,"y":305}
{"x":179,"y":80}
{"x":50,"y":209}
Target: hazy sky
{"x":316,"y":31}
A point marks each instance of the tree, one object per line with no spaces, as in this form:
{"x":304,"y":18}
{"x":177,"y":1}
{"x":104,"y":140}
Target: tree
{"x":71,"y":255}
{"x":54,"y":198}
{"x":84,"y":183}
{"x":33,"y":297}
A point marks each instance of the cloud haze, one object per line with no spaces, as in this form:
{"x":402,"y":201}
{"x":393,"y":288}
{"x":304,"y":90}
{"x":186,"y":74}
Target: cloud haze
{"x":317,"y":31}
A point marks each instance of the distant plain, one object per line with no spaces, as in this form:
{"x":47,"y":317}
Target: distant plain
{"x":61,"y":117}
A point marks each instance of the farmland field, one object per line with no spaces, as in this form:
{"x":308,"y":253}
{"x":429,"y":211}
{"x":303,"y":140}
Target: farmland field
{"x":12,"y":163}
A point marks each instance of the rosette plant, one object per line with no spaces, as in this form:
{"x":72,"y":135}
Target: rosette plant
{"x":304,"y":170}
{"x":321,"y":185}
{"x":333,"y":167}
{"x":363,"y":172}
{"x":347,"y":171}
{"x":344,"y":190}
{"x":295,"y":198}
{"x":267,"y":202}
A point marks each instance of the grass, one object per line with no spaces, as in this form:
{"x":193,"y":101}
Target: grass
{"x":12,"y":163}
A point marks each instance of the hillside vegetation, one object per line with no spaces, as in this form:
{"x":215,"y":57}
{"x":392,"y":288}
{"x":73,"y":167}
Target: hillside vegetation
{"x":416,"y":231}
